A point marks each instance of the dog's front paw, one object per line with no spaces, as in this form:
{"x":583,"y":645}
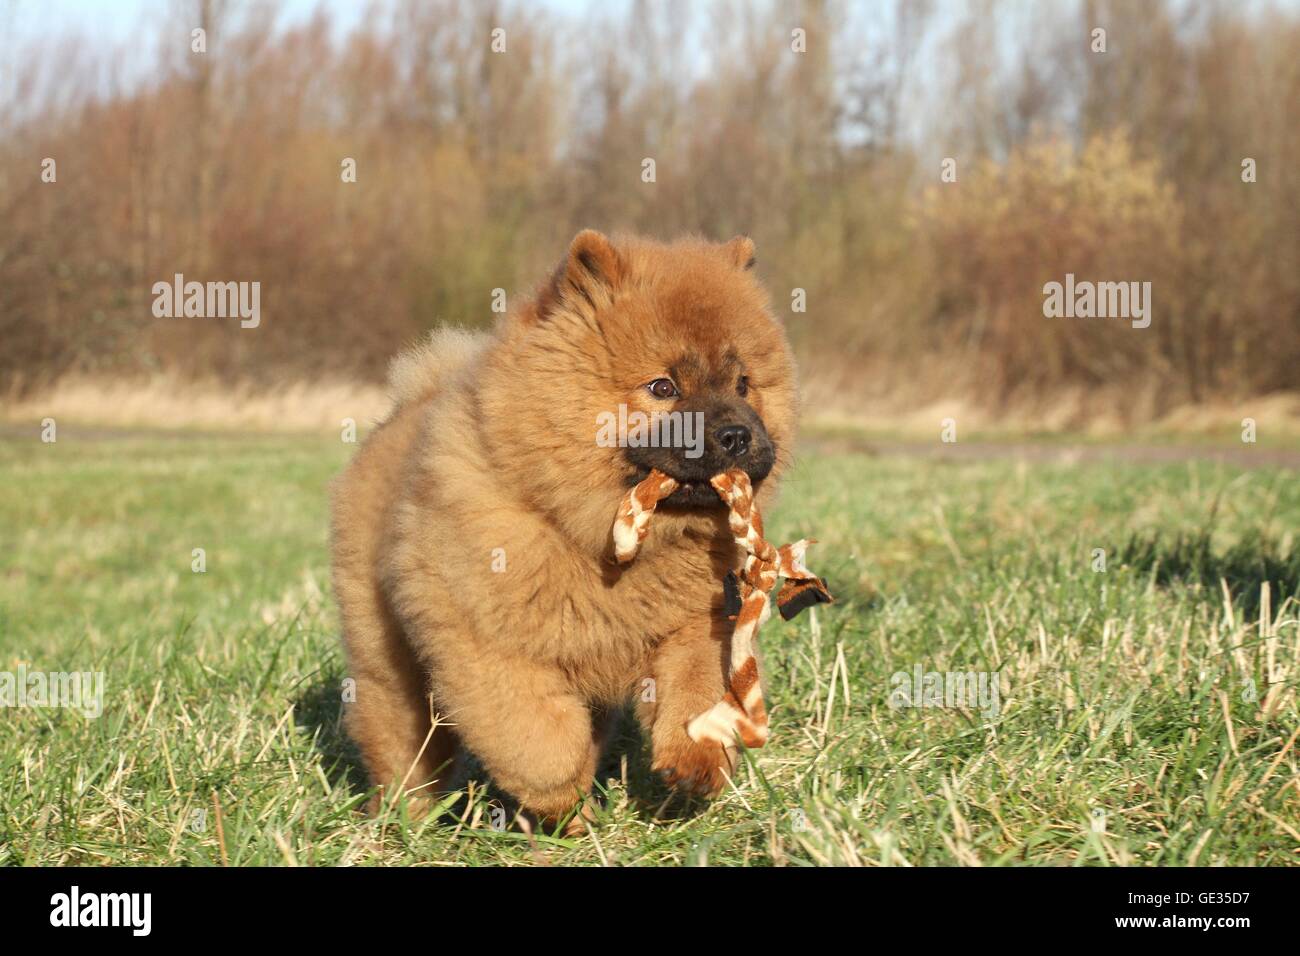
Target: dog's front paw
{"x":699,"y":768}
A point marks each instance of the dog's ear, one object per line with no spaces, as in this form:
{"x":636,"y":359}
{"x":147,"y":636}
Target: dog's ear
{"x":740,"y":252}
{"x":593,"y":259}
{"x":592,"y":267}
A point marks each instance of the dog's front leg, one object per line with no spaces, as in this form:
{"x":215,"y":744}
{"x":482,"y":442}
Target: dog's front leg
{"x":689,"y":670}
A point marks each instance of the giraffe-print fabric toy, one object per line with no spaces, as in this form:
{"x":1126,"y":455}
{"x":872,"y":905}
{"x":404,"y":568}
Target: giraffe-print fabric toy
{"x":741,"y":712}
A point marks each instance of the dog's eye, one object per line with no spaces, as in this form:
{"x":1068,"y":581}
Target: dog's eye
{"x":663,"y":388}
{"x":742,"y":386}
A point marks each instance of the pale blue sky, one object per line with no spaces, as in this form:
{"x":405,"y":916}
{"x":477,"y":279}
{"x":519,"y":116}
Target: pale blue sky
{"x":135,"y":24}
{"x":116,"y":19}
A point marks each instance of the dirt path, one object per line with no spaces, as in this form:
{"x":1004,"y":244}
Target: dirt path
{"x":1245,"y":456}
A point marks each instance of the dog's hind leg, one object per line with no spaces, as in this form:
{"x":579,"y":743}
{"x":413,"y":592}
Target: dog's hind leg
{"x":389,"y":718}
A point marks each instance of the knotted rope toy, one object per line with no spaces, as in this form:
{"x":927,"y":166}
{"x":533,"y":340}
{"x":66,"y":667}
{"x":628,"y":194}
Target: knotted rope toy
{"x":741,"y":711}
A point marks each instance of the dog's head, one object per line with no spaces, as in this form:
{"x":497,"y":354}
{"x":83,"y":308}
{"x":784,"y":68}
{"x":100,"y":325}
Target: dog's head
{"x":640,"y":355}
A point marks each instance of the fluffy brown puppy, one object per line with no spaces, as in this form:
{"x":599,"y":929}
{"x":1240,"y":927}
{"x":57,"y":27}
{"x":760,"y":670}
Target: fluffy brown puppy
{"x":472,"y":532}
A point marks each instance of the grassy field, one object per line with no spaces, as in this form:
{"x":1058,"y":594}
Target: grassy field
{"x":1147,"y":712}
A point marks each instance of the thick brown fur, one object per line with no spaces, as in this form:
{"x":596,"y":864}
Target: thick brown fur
{"x":492,"y":445}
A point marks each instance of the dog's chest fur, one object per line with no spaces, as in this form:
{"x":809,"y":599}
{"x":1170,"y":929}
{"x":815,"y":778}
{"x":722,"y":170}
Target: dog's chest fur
{"x":601,"y":624}
{"x":510,"y":583}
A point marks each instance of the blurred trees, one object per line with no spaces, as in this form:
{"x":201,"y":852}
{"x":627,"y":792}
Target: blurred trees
{"x":474,"y":167}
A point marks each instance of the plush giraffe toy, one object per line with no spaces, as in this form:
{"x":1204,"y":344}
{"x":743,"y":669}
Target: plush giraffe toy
{"x":741,"y":711}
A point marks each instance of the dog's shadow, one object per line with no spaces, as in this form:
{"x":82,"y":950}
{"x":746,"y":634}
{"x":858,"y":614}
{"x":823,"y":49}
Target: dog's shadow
{"x":625,"y":763}
{"x":318,"y":709}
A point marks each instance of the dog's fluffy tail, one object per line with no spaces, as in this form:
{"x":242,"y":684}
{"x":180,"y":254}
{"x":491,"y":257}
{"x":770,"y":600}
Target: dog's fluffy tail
{"x":418,"y":372}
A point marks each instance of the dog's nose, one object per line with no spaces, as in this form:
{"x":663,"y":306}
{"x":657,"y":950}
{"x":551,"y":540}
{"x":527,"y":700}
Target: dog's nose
{"x":734,"y":439}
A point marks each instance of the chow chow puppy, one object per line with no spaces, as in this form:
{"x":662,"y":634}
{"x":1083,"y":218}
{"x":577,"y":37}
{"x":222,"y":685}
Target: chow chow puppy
{"x":472,"y":543}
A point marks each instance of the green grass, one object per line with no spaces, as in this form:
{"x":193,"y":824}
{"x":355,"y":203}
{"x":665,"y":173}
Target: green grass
{"x":1157,"y":697}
